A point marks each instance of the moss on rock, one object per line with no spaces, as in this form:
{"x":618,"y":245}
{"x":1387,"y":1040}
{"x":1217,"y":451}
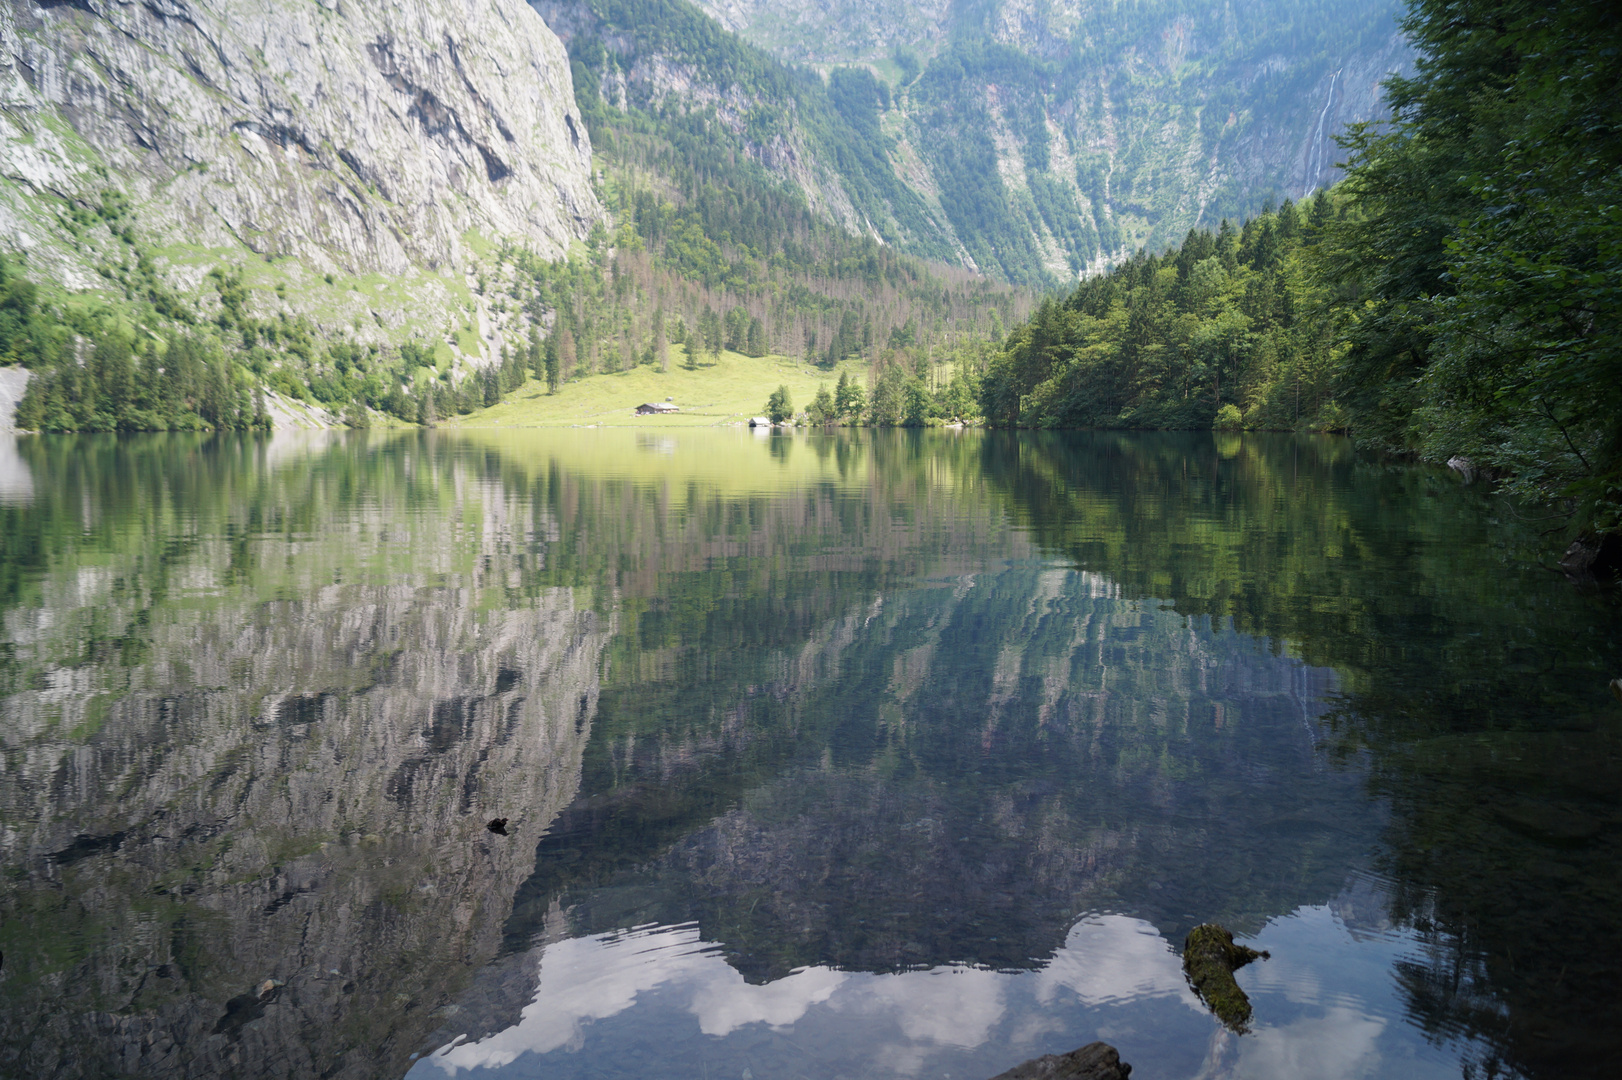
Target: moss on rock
{"x":1209,"y":960}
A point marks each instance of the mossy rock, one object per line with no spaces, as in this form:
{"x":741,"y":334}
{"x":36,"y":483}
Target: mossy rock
{"x":1209,"y":960}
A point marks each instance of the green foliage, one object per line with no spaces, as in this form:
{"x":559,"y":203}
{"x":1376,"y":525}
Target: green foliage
{"x":821,"y":410}
{"x":901,"y":399}
{"x":1483,"y":264}
{"x":111,"y":366}
{"x":551,"y":361}
{"x":779,"y":406}
{"x":93,"y":371}
{"x":850,"y":399}
{"x":1235,"y":320}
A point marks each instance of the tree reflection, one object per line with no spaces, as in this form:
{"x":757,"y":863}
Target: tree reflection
{"x":871,"y":701}
{"x":1473,"y":684}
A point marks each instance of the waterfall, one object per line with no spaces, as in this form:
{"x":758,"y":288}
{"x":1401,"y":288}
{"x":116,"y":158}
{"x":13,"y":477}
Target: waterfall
{"x":1315,"y":157}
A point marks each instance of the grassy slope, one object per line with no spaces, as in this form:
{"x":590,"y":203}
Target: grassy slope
{"x":728,"y":391}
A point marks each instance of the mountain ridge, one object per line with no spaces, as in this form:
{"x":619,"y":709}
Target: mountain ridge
{"x":1059,"y":139}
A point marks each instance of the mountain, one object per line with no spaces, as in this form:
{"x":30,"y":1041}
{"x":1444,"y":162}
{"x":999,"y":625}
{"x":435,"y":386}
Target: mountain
{"x":311,"y":145}
{"x":382,"y":210}
{"x":1054,"y":136}
{"x":358,"y":138}
{"x":344,"y":212}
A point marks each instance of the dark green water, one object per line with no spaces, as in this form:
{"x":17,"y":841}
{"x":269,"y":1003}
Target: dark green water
{"x":857,"y":755}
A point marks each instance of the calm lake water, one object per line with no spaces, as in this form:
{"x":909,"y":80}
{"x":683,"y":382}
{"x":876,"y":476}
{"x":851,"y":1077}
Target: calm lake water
{"x":855,"y":755}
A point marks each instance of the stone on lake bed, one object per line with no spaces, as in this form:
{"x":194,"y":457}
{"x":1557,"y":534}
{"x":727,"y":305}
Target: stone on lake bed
{"x":1095,"y":1061}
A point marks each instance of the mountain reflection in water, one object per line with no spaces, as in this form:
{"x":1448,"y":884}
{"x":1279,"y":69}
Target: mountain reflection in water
{"x":905,"y":754}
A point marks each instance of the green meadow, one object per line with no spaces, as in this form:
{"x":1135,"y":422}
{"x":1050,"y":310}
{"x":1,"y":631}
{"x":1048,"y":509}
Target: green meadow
{"x":718,"y":393}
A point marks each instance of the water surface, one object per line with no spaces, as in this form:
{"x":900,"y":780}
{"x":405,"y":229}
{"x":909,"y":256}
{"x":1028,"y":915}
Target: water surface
{"x":865,"y":754}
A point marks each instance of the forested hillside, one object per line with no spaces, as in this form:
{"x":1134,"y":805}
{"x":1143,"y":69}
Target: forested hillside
{"x":1458,"y":298}
{"x":715,"y":247}
{"x":1233,"y":327}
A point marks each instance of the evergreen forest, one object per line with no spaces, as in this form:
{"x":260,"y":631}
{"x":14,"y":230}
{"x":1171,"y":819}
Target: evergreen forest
{"x":1456,"y":298}
{"x":1233,"y":329}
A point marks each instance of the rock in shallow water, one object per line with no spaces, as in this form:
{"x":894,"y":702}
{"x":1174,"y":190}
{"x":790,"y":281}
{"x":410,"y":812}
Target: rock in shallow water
{"x":1209,"y":960}
{"x":1095,"y":1061}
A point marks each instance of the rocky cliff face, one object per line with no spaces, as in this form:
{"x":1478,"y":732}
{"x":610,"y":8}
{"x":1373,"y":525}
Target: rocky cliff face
{"x":355,"y":137}
{"x":1056,"y":137}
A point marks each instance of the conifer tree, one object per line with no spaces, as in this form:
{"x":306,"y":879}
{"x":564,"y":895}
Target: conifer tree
{"x":850,"y":398}
{"x":551,"y":363}
{"x":821,"y":410}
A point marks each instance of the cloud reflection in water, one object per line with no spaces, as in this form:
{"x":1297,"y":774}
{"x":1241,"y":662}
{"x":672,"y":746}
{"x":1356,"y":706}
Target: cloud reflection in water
{"x":1114,"y":978}
{"x":1106,"y":958}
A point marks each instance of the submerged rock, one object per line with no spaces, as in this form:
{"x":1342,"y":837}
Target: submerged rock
{"x":1095,"y":1061}
{"x":1209,"y":960}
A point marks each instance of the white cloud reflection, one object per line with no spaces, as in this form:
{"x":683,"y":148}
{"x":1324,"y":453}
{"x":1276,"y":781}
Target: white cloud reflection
{"x":1109,"y":958}
{"x":586,"y":979}
{"x":1339,"y":1045}
{"x":1118,"y":971}
{"x":1106,"y":958}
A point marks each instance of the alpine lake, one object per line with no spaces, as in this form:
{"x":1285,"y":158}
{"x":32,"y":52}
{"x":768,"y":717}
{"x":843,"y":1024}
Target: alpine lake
{"x":822,"y":755}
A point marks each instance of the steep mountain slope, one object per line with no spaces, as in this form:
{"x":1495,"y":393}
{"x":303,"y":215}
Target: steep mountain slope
{"x":1055,"y":136}
{"x":667,"y":60}
{"x":750,"y":214}
{"x":355,"y":139}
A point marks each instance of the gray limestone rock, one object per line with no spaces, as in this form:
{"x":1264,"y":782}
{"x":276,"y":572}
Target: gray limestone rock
{"x":357,"y":137}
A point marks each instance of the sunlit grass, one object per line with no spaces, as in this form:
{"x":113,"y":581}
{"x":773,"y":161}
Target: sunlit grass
{"x":726,"y":392}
